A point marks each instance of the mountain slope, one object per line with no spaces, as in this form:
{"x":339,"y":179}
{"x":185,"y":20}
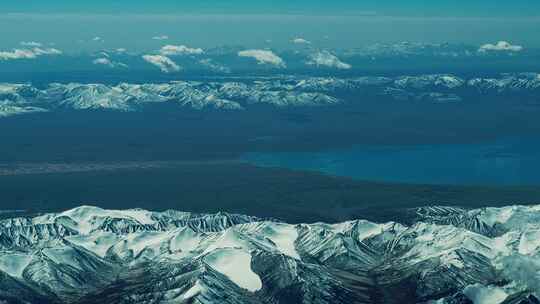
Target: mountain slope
{"x":91,"y":255}
{"x":277,"y":92}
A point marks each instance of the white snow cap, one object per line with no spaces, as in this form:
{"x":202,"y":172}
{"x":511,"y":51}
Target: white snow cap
{"x":236,"y":265}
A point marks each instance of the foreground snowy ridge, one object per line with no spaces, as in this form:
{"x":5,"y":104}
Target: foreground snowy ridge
{"x":447,"y":255}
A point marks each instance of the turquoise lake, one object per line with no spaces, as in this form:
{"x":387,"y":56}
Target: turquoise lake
{"x":504,"y":162}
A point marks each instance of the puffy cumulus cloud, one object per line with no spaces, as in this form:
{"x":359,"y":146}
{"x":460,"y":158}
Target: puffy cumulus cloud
{"x":28,"y":53}
{"x":327,"y":59}
{"x":108,"y":62}
{"x":161,"y":37}
{"x":300,"y":41}
{"x":17,"y":54}
{"x":31,"y":43}
{"x":480,"y":294}
{"x":98,"y":39}
{"x":164,"y":63}
{"x":501,"y":46}
{"x":176,"y":50}
{"x":103,"y":61}
{"x":263,"y":57}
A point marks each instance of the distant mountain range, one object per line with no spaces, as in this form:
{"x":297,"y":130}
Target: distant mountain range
{"x":441,"y":255}
{"x":231,"y":94}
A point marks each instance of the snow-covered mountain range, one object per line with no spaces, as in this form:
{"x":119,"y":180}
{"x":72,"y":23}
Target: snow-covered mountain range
{"x":445,"y":255}
{"x":234,"y":95}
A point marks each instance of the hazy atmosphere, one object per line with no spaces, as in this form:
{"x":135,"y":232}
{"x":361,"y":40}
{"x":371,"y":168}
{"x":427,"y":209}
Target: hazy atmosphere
{"x":277,"y":152}
{"x":341,"y":23}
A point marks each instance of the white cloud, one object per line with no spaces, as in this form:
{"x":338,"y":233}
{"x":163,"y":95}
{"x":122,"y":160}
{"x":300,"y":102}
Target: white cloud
{"x":46,"y":51}
{"x":103,"y":61}
{"x":164,"y":63}
{"x":28,"y":53}
{"x":107,"y":62}
{"x":97,"y":39}
{"x":31,"y":44}
{"x":263,"y":57}
{"x":501,"y":46}
{"x":300,"y":41}
{"x":174,"y":50}
{"x":161,"y":37}
{"x":325,"y":58}
{"x":17,"y":54}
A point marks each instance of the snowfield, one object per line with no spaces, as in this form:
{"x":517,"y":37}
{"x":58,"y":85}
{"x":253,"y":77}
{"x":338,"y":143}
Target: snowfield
{"x":454,"y":255}
{"x":232,"y":95}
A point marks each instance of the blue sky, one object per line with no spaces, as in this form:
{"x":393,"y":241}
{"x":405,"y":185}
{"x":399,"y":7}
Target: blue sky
{"x":384,"y":7}
{"x":72,"y":24}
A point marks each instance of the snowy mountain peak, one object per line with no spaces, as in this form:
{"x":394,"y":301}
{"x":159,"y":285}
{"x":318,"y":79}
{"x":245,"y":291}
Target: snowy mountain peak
{"x":90,"y":253}
{"x":232,"y":95}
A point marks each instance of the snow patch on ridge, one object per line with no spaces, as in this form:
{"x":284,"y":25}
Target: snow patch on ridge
{"x":137,"y":242}
{"x":98,"y":242}
{"x":284,"y":236}
{"x":14,"y":264}
{"x":194,"y":291}
{"x":236,"y":265}
{"x":184,"y":240}
{"x":529,"y":242}
{"x":64,"y":256}
{"x":481,"y":294}
{"x":87,"y":218}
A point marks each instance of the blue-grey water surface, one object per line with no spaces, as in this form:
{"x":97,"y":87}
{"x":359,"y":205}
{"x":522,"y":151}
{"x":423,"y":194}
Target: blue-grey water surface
{"x":505,"y":162}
